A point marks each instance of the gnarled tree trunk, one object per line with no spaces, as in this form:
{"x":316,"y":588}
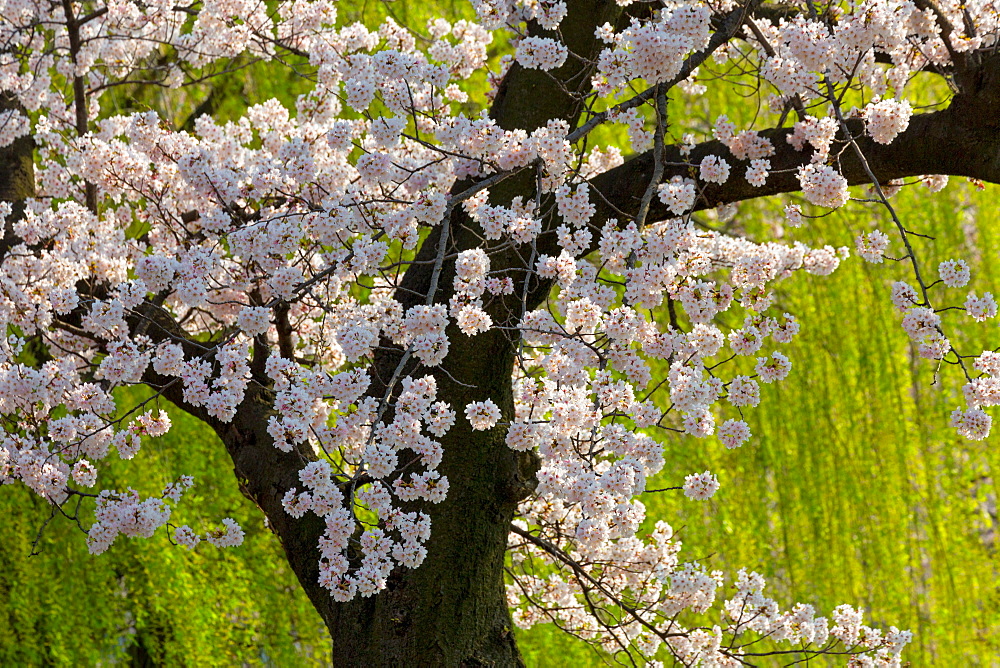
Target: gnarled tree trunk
{"x":451,"y":611}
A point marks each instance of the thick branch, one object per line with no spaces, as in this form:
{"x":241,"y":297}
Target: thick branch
{"x":962,"y":140}
{"x":79,"y":93}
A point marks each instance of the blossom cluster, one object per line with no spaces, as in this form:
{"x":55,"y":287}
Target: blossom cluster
{"x":360,"y":437}
{"x":651,"y":50}
{"x":668,"y":587}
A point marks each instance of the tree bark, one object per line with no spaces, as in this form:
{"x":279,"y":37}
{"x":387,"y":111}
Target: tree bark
{"x":17,"y":175}
{"x":452,"y":610}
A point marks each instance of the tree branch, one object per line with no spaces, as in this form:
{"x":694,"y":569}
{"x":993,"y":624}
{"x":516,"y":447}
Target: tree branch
{"x":962,"y":140}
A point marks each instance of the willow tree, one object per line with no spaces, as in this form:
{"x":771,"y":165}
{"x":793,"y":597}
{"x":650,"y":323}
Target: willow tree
{"x":423,"y":314}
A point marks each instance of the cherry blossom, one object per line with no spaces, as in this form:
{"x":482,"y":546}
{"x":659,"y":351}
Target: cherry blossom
{"x":316,"y":277}
{"x":700,"y":486}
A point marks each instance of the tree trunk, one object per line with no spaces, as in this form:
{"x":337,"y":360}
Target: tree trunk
{"x":17,"y":175}
{"x":452,"y":610}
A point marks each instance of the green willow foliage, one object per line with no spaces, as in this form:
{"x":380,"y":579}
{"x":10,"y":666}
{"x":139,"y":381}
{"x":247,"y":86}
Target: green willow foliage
{"x":853,"y":488}
{"x":147,"y":600}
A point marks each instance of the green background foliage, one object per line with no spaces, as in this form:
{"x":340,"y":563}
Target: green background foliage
{"x":145,"y":599}
{"x":853,"y":488}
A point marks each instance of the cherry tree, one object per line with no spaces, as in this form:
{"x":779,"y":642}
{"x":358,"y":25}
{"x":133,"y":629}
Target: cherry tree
{"x":443,"y":327}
